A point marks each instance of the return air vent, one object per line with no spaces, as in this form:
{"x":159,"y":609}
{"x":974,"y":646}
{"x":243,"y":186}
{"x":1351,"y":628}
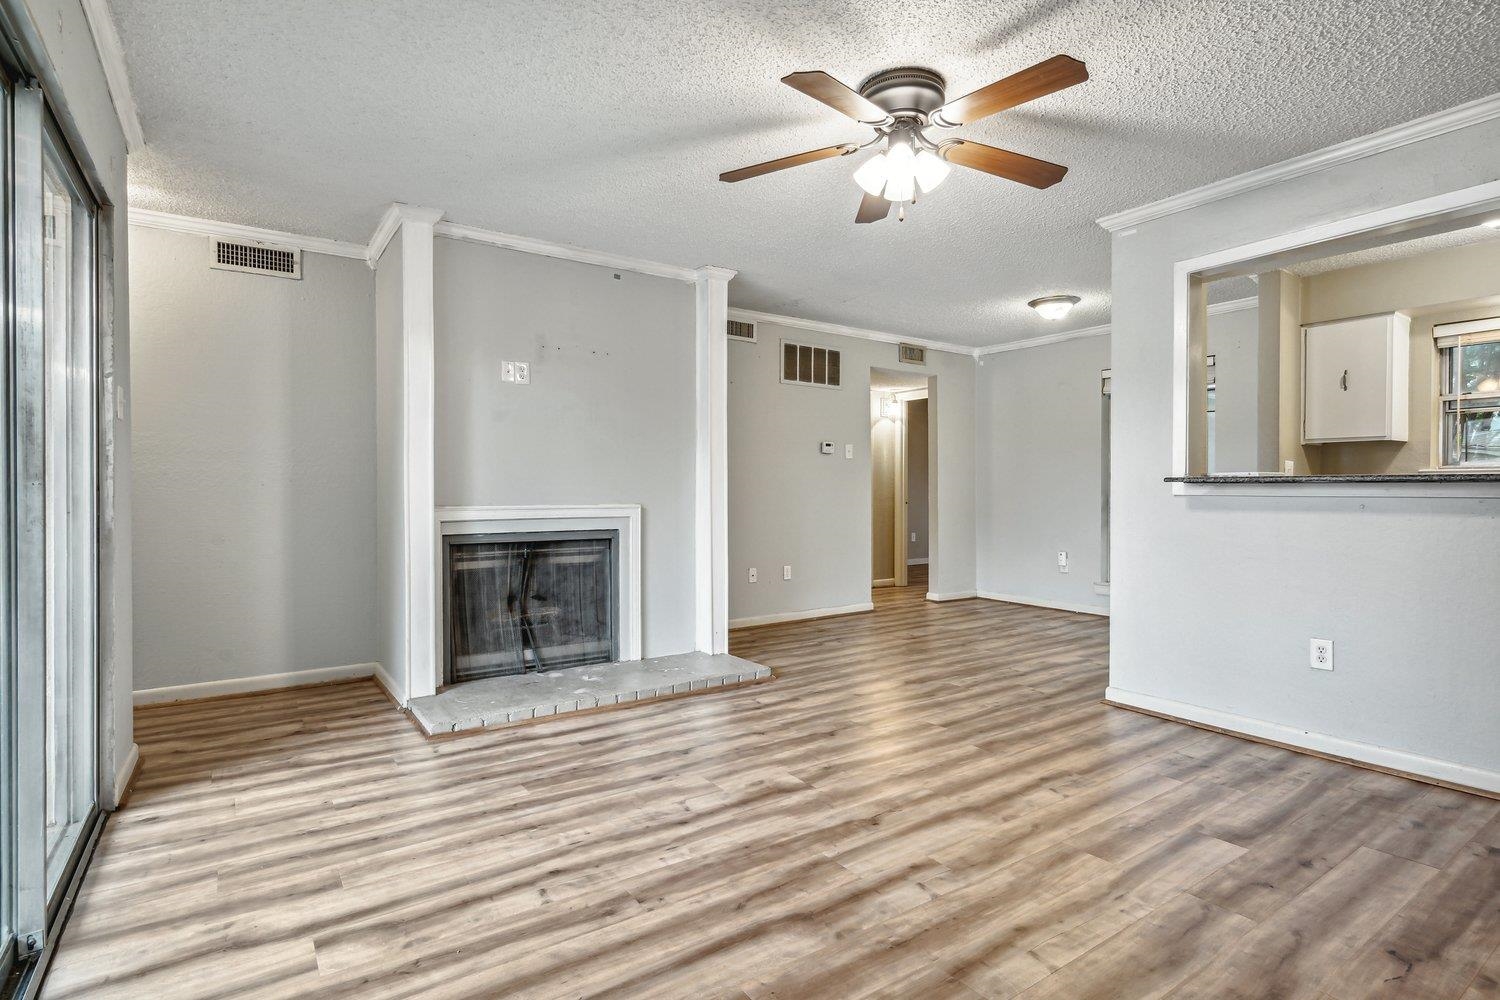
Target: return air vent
{"x":257,"y":258}
{"x":803,"y":364}
{"x":911,"y":354}
{"x":739,"y":330}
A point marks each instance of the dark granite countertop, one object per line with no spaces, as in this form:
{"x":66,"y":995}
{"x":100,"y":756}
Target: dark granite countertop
{"x":1405,"y":477}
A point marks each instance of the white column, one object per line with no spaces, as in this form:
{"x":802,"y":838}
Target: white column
{"x":712,"y":463}
{"x":423,"y":659}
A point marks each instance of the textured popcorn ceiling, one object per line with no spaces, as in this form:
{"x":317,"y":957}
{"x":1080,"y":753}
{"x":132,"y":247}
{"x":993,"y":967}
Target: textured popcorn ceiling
{"x":1398,"y":251}
{"x":605,"y":124}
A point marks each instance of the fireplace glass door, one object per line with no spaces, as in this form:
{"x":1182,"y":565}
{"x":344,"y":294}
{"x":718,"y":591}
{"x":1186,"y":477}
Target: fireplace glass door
{"x":518,"y":603}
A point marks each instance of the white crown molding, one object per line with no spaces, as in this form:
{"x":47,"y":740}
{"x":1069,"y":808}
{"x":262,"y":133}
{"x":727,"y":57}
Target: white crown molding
{"x":839,"y":330}
{"x":147,"y":219}
{"x":563,"y":251}
{"x":1233,"y":306}
{"x":390,"y":222}
{"x":116,"y":76}
{"x":1473,"y":113}
{"x":1051,"y":338}
{"x":1216,"y":309}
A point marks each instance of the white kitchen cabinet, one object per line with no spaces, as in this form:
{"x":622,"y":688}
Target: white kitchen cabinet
{"x":1354,"y":379}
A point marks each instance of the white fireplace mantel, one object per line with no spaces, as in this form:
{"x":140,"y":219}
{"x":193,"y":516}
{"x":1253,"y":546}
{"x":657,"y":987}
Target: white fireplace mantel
{"x":489,"y":520}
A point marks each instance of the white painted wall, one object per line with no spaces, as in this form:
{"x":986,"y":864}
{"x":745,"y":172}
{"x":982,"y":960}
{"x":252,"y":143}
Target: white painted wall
{"x":254,"y":447}
{"x":390,"y":481}
{"x":71,"y":71}
{"x":1215,"y":598}
{"x":1040,"y":445}
{"x":788,"y":504}
{"x":609,"y":416}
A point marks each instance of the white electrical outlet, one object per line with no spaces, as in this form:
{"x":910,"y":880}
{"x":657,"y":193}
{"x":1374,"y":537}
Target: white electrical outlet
{"x":848,"y":451}
{"x":1320,"y":654}
{"x":752,"y":574}
{"x":523,"y":373}
{"x":786,"y":572}
{"x":1062,"y":562}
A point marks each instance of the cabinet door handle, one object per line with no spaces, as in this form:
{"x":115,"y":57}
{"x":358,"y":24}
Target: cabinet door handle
{"x":1344,"y":381}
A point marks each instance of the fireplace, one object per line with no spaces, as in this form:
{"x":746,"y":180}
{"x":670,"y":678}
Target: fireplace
{"x":517,"y":602}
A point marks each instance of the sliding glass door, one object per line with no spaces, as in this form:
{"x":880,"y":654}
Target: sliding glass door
{"x":49,"y":691}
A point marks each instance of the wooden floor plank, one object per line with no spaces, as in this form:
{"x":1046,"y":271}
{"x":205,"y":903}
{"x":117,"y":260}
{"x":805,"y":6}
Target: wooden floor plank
{"x":929,"y":801}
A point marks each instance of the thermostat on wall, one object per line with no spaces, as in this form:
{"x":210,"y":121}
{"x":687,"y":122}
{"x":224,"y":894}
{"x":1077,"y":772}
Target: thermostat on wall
{"x":826,"y":447}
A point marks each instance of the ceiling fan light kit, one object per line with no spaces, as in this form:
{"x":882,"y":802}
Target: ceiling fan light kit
{"x":901,"y":104}
{"x":1054,"y":306}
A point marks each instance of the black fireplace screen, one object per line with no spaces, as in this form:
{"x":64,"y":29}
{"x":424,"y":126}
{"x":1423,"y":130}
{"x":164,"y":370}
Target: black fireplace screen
{"x":524,"y":602}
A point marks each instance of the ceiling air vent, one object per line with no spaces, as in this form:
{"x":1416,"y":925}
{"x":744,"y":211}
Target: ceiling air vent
{"x":257,"y":258}
{"x":739,"y":330}
{"x":911,"y":354}
{"x":803,"y":364}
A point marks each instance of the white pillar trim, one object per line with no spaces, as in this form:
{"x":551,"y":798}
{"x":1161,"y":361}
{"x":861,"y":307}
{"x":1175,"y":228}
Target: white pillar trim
{"x":711,"y":578}
{"x":418,"y":439}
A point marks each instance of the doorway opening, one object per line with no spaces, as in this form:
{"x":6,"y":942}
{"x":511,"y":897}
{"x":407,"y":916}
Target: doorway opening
{"x":901,"y":480}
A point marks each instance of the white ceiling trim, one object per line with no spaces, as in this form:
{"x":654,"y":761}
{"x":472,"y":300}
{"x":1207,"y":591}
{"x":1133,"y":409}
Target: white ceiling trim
{"x":385,"y":231}
{"x":116,"y":75}
{"x":563,"y":251}
{"x":1215,"y":309}
{"x":1473,"y":113}
{"x":1051,"y":338}
{"x":839,"y":330}
{"x":147,"y":219}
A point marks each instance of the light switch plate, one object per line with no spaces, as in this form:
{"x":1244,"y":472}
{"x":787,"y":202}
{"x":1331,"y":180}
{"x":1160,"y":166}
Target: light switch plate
{"x":507,"y":371}
{"x":752,"y":574}
{"x":786,"y":572}
{"x":848,"y":451}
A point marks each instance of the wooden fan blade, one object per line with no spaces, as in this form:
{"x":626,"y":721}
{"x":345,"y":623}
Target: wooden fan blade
{"x":821,"y":87}
{"x":1046,"y":77}
{"x":872,"y":208}
{"x":1002,"y":163}
{"x":795,"y":160}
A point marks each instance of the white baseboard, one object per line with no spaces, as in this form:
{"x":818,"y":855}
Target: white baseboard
{"x":797,"y":616}
{"x":960,"y":595}
{"x":917,"y":562}
{"x":122,"y":776}
{"x":265,"y":682}
{"x":387,"y":682}
{"x":1036,"y":602}
{"x":1365,"y":753}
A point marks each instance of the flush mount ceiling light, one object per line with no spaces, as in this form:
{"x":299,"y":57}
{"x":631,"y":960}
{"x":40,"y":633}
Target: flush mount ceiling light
{"x":1054,"y":306}
{"x":1492,"y":223}
{"x":901,"y":105}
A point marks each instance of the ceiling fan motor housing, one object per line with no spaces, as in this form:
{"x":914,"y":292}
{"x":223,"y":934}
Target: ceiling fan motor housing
{"x":905,"y":91}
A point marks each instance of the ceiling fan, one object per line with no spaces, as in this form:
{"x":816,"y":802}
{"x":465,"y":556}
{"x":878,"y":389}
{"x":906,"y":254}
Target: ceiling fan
{"x":901,"y":104}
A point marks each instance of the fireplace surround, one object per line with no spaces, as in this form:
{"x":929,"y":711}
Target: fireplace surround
{"x":494,"y":523}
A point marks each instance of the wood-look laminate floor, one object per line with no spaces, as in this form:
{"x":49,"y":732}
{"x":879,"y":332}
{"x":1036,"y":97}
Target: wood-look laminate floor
{"x":930,"y":801}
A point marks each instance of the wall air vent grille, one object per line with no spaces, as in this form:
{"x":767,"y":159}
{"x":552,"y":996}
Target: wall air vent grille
{"x":739,"y":330}
{"x":803,"y":364}
{"x":911,"y":354}
{"x":257,"y":258}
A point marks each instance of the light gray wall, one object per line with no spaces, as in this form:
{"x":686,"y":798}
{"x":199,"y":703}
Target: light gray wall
{"x":788,"y":504}
{"x":57,"y":38}
{"x":609,"y":416}
{"x":1234,"y":341}
{"x":1215,"y":598}
{"x":254,"y":465}
{"x":1040,"y":445}
{"x":916,"y":478}
{"x":390,"y":461}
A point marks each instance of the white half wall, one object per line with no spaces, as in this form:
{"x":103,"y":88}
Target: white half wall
{"x":255,"y":466}
{"x":610,"y":414}
{"x":791,"y":505}
{"x":1216,"y":597}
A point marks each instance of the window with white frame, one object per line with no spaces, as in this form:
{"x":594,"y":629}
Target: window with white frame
{"x":1469,"y":393}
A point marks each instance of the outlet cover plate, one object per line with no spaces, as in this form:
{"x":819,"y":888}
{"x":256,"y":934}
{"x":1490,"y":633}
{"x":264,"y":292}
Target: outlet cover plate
{"x":1320,"y":654}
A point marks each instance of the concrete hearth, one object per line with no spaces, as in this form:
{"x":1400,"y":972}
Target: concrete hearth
{"x":525,"y":697}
